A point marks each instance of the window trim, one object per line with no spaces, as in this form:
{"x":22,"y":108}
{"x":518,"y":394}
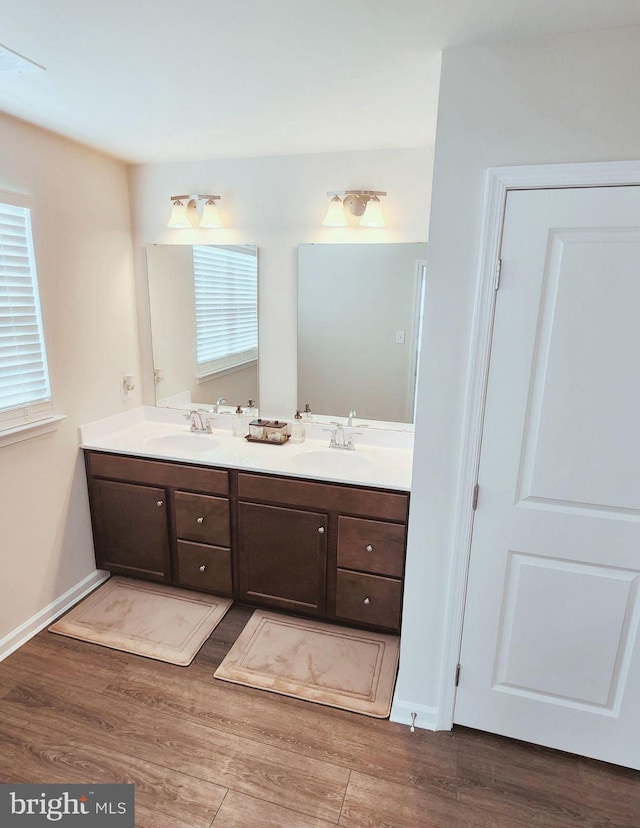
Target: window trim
{"x":30,"y":420}
{"x":17,"y":434}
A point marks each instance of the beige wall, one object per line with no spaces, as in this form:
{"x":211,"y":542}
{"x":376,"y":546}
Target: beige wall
{"x":172,"y":303}
{"x":82,"y":241}
{"x":532,"y":102}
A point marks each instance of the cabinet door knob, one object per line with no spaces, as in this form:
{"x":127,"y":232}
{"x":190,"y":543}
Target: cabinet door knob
{"x":159,"y":503}
{"x":369,"y":548}
{"x":321,"y":530}
{"x":200,"y":520}
{"x":367,"y":601}
{"x":202,"y":568}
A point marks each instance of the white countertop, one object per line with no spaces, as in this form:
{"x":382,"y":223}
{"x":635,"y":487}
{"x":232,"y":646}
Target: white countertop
{"x":382,"y":458}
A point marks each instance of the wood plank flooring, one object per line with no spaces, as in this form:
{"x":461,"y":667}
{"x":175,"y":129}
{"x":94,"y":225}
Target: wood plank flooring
{"x":207,"y":753}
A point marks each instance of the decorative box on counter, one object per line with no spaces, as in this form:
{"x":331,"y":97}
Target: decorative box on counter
{"x":268,"y":431}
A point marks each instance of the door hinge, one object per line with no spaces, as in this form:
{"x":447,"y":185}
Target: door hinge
{"x":496,"y":281}
{"x":474,"y":501}
{"x":457,"y":675}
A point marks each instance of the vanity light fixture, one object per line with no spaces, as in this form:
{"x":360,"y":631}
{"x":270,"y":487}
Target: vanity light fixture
{"x":184,"y":212}
{"x":364,"y":204}
{"x":336,"y":216}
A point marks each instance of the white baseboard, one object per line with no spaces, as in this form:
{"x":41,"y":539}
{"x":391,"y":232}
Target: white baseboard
{"x":15,"y":639}
{"x":425,"y":718}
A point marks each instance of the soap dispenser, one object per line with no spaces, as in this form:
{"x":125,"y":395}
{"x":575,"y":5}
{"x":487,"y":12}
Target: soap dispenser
{"x":306,"y":414}
{"x":297,"y":429}
{"x":239,"y":425}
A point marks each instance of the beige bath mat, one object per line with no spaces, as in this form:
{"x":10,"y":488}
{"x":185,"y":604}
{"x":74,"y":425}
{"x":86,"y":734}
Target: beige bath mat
{"x":319,"y":662}
{"x":153,"y":620}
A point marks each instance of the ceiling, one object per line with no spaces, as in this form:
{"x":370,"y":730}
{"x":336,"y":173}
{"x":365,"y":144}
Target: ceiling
{"x":161,"y":80}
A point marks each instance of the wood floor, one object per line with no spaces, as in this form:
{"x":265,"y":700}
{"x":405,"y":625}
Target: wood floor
{"x":203,"y":752}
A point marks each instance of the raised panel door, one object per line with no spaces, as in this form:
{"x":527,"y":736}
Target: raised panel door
{"x":550,"y":650}
{"x":282,"y":557}
{"x":131,"y":532}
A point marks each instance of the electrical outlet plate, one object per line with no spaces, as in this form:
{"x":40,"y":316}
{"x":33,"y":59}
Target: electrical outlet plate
{"x":126,"y":386}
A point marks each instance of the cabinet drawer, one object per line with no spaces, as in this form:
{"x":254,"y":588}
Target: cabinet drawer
{"x":202,"y":518}
{"x":326,"y":496}
{"x":207,"y":568}
{"x":371,"y":545}
{"x":368,"y":599}
{"x":158,"y":473}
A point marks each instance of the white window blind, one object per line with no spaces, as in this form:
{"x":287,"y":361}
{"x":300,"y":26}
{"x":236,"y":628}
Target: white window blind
{"x":226,"y":306}
{"x":25,"y":394}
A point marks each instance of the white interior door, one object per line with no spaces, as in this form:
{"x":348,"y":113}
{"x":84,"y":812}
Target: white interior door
{"x":550,"y":647}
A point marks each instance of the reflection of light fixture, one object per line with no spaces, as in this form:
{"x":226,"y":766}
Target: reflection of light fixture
{"x":361,"y":203}
{"x":186,"y":215}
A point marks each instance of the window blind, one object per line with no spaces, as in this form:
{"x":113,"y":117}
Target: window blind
{"x":24,"y":380}
{"x":226,"y":307}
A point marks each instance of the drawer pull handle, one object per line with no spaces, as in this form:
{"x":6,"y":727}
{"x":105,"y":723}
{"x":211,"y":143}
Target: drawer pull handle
{"x":321,"y":530}
{"x":367,"y":601}
{"x":369,"y":548}
{"x":200,"y":520}
{"x":202,"y":568}
{"x":159,"y":503}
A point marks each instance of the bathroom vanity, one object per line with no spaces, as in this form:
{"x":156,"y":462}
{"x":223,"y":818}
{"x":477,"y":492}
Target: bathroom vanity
{"x":298,"y":543}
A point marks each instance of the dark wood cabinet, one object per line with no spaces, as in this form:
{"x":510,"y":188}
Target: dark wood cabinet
{"x":203,"y":542}
{"x":368,"y":599}
{"x":362,"y":532}
{"x":130,"y":528}
{"x":282,"y":557}
{"x":371,"y":546}
{"x":204,"y":567}
{"x":161,"y":520}
{"x":328,"y":550}
{"x":370,"y":571}
{"x":202,"y":518}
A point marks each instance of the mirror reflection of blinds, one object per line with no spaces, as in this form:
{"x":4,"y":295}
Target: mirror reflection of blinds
{"x":226,"y":307}
{"x":24,"y":380}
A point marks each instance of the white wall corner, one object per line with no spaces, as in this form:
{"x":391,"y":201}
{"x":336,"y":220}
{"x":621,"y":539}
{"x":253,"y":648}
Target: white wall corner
{"x":32,"y":626}
{"x":426,"y":717}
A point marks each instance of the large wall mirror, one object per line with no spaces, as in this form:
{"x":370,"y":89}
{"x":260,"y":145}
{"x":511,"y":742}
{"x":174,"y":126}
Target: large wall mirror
{"x":359,"y":323}
{"x":203,"y":303}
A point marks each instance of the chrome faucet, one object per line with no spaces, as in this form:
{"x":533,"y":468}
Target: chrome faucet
{"x":220,"y":401}
{"x":198,"y":423}
{"x":339,"y":439}
{"x":352,"y":414}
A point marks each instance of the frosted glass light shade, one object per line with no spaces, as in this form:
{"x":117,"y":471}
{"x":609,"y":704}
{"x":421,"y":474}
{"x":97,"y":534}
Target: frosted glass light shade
{"x":335,"y":214}
{"x":210,"y":215}
{"x":179,"y":217}
{"x":373,"y":214}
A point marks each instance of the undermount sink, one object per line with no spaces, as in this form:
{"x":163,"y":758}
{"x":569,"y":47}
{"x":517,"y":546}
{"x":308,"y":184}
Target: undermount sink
{"x":185,"y":443}
{"x":339,"y":461}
